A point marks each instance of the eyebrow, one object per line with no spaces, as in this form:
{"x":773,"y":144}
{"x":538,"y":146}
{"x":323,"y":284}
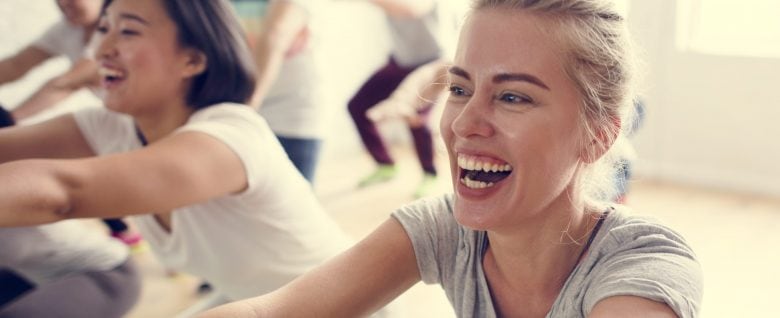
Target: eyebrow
{"x":520,"y":77}
{"x":503,"y":77}
{"x":134,"y":17}
{"x":454,"y":70}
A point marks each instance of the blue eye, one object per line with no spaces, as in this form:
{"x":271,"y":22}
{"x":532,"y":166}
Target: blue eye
{"x":514,"y":98}
{"x":455,"y":90}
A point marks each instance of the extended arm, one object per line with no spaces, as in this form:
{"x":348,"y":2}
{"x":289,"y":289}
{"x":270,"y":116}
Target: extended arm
{"x":14,"y":67}
{"x":284,"y":25}
{"x":356,"y":283}
{"x":171,"y":173}
{"x":82,"y":74}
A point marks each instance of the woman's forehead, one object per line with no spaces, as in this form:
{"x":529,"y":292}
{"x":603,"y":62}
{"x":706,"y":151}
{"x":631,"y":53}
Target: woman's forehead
{"x":508,"y":40}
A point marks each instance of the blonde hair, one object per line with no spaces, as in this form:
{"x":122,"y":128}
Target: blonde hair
{"x":600,"y":62}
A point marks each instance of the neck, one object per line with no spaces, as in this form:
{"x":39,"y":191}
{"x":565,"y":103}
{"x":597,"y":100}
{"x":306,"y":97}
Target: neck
{"x":161,"y":123}
{"x":541,"y":252}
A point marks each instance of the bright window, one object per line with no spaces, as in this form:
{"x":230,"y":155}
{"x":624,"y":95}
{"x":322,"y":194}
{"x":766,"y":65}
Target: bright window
{"x":727,"y":27}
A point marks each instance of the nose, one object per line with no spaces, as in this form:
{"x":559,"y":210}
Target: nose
{"x":473,"y":120}
{"x":104,"y":45}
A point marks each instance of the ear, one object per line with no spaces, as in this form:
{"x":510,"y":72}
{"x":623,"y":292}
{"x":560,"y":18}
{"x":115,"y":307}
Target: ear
{"x":195,"y":63}
{"x":602,"y":142}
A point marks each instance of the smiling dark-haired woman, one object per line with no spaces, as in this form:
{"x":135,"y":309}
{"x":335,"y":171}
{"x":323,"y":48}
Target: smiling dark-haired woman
{"x":205,"y":179}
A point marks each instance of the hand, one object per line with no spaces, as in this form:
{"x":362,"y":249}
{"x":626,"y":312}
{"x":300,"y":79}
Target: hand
{"x":6,"y":119}
{"x":391,"y":109}
{"x":299,"y":43}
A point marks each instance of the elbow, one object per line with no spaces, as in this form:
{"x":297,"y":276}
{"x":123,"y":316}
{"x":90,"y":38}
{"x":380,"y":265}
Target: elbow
{"x":56,"y":202}
{"x":55,"y":195}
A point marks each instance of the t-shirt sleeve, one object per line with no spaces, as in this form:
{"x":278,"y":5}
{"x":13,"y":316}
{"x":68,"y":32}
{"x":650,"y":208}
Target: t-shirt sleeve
{"x":244,"y":132}
{"x":434,"y":234}
{"x":649,"y":261}
{"x":61,"y":39}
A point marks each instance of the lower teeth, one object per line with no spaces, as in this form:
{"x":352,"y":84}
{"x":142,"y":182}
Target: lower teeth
{"x":476,"y":184}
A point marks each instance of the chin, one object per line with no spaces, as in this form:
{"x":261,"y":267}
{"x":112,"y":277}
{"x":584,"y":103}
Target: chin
{"x":478,"y":218}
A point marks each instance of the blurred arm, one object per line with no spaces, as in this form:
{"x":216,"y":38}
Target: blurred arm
{"x":284,"y":23}
{"x":356,"y":283}
{"x":82,"y":74}
{"x":171,"y":173}
{"x":14,"y":67}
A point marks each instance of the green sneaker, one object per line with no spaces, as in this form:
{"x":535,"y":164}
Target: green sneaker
{"x":382,"y":173}
{"x":426,"y":187}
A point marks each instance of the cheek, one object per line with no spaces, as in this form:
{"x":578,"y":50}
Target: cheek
{"x":445,"y":124}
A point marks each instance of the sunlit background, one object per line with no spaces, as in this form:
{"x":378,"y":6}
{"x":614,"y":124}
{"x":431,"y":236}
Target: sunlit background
{"x":711,"y":85}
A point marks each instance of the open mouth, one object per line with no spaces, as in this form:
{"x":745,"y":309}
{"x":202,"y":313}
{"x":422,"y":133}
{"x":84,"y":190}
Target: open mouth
{"x":111,"y":76}
{"x":480,"y":173}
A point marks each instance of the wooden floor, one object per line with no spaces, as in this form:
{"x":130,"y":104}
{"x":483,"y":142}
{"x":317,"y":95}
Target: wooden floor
{"x":736,"y":236}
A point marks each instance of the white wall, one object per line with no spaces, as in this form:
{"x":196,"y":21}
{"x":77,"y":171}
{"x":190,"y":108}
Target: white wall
{"x":712,"y":120}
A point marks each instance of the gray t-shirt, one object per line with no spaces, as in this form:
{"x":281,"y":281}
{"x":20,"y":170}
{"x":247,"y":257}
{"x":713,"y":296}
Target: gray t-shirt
{"x":629,"y":255}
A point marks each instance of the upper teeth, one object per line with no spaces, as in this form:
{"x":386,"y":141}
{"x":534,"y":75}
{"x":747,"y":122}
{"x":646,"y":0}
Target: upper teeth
{"x":109,"y":72}
{"x":474,"y":164}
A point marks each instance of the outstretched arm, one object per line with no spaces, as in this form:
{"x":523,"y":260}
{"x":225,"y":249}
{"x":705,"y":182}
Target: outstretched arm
{"x":82,"y":74}
{"x":171,"y":173}
{"x":284,"y":26}
{"x":356,"y":283}
{"x":14,"y":67}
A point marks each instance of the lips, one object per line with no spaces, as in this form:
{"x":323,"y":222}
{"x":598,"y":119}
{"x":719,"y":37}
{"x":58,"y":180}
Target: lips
{"x":111,"y":76}
{"x":479,"y":172}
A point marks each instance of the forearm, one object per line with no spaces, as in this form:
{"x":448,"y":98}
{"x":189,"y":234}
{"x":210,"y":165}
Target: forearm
{"x":46,"y":97}
{"x":9,"y":73}
{"x":356,"y":283}
{"x":283,"y":24}
{"x":268,"y":61}
{"x":31,"y":194}
{"x":82,"y":74}
{"x":16,"y":66}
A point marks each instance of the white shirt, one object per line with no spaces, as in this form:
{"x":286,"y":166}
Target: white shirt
{"x":294,"y":104}
{"x":245,"y":244}
{"x":63,"y":39}
{"x":49,"y":252}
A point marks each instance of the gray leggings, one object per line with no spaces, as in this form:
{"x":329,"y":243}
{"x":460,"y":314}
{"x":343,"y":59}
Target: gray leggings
{"x":107,"y":294}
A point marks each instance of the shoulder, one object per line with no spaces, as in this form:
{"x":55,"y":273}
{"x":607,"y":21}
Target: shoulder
{"x":226,"y":116}
{"x":427,"y":212}
{"x":638,"y":256}
{"x":625,"y":231}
